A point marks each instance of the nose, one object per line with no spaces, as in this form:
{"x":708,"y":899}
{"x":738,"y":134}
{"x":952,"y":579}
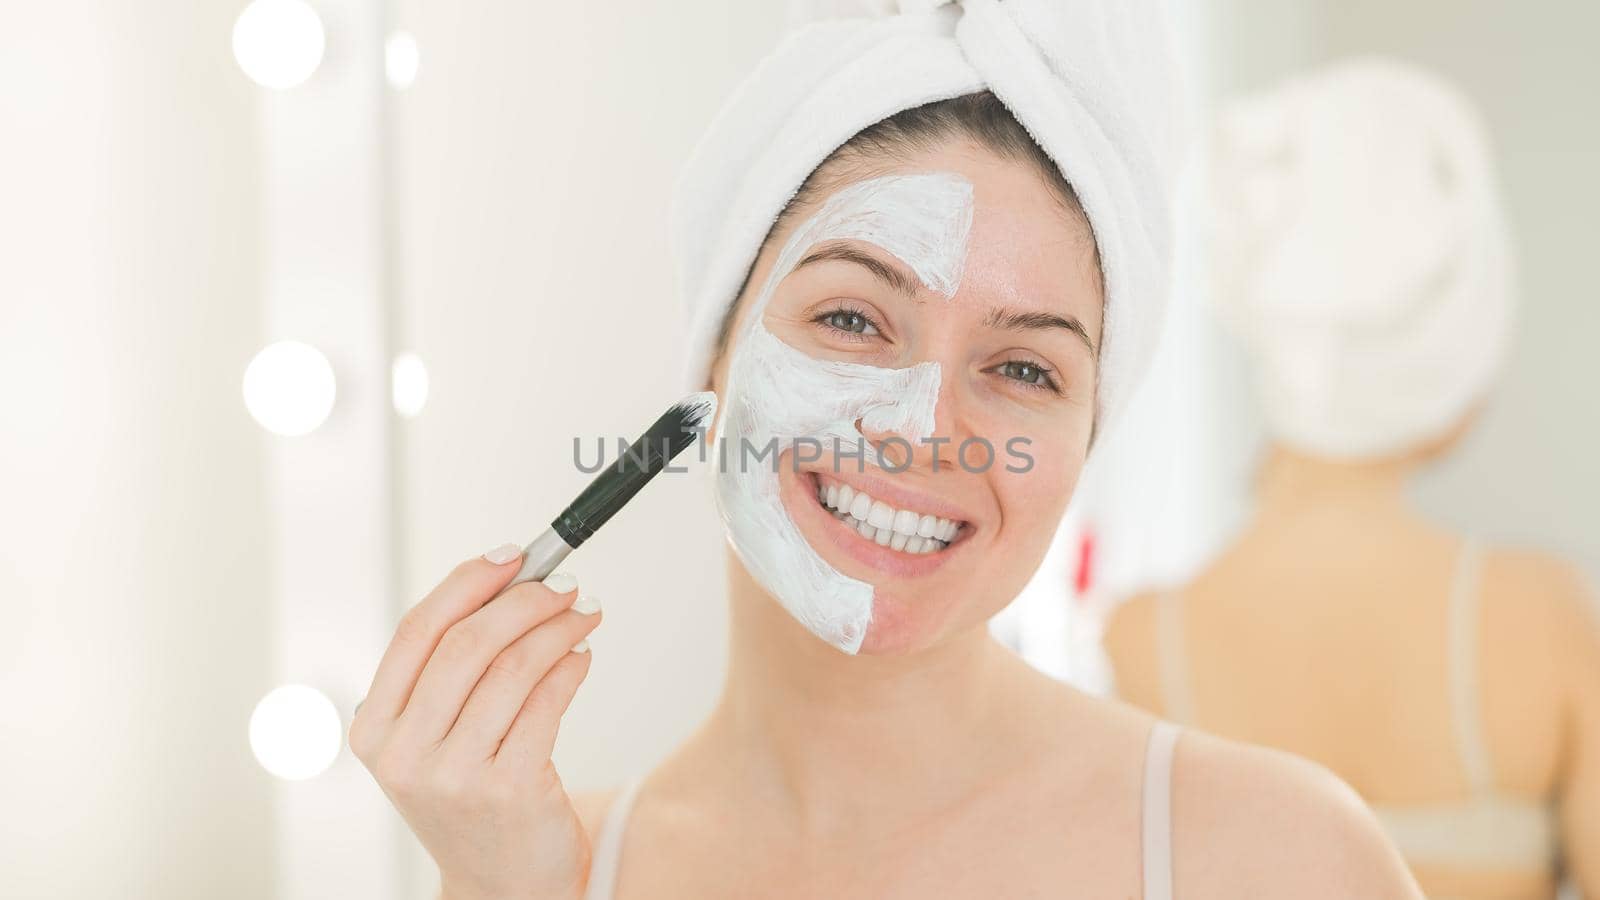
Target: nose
{"x":917,"y":432}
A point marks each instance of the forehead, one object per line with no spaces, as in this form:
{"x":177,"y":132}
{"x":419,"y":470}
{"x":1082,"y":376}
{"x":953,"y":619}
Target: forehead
{"x":1007,"y":237}
{"x":922,"y":219}
{"x":1028,"y":249}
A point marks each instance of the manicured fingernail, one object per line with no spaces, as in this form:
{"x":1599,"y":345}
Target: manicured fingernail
{"x":581,"y":646}
{"x":503,"y":554}
{"x":561,"y":582}
{"x":586,"y":604}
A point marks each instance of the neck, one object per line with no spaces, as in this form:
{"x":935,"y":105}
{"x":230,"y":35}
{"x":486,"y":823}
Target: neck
{"x":1292,"y":484}
{"x":828,"y":735}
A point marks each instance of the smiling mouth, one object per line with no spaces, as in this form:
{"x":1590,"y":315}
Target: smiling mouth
{"x":905,"y":530}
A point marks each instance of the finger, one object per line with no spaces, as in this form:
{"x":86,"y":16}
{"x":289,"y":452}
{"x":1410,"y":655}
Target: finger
{"x":533,"y":733}
{"x":464,"y":590}
{"x":511,"y":677}
{"x":467,"y":648}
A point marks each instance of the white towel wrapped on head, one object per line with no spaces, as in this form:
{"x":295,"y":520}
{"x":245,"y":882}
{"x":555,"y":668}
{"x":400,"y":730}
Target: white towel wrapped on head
{"x":1361,"y":253}
{"x":1091,"y":80}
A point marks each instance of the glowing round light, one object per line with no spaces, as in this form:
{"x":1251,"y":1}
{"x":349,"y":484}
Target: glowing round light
{"x":289,"y":388}
{"x":278,"y":43}
{"x":295,"y":732}
{"x":400,"y":58}
{"x":408,"y":384}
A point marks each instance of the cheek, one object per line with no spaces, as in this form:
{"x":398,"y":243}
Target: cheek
{"x":1032,"y":502}
{"x":1039,"y":453}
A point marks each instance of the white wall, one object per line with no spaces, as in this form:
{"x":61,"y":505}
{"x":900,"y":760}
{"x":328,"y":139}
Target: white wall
{"x":132,"y":526}
{"x":537,"y":150}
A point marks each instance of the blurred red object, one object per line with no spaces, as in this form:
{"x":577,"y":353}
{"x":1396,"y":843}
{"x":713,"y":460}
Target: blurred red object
{"x":1085,"y":576}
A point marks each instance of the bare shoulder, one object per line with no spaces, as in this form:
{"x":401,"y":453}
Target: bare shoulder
{"x":592,"y":807}
{"x":1552,"y":596}
{"x":1534,"y":575}
{"x":1254,"y":822}
{"x":1130,"y":643}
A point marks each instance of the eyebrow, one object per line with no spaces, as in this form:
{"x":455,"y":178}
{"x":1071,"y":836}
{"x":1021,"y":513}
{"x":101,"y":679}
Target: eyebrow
{"x":907,"y":284}
{"x":895,"y":277}
{"x":1014,"y":320}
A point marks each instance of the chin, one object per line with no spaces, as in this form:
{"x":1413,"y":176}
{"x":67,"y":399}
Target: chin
{"x":901,"y":625}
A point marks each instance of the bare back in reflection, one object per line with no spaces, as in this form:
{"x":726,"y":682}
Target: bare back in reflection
{"x":1455,"y":686}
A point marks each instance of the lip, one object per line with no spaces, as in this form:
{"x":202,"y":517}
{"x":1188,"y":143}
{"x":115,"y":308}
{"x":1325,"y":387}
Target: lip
{"x":800,"y":500}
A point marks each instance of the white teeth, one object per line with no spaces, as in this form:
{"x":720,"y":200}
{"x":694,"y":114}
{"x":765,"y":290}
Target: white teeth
{"x":881,"y":515}
{"x":860,"y":506}
{"x":875,"y":520}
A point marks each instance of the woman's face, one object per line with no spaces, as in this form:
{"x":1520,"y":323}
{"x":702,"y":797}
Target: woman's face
{"x":945,"y":312}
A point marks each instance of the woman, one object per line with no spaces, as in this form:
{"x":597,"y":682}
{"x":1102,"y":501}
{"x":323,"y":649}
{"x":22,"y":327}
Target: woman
{"x":885,"y":265}
{"x":1365,"y":264}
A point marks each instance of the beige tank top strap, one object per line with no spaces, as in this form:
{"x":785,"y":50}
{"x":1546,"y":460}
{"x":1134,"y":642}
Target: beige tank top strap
{"x":606,"y":856}
{"x":1156,"y":814}
{"x":1172,"y":658}
{"x":1465,"y":613}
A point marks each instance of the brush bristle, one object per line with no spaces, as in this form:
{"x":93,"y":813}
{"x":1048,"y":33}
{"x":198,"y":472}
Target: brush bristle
{"x":688,"y":417}
{"x":669,"y":436}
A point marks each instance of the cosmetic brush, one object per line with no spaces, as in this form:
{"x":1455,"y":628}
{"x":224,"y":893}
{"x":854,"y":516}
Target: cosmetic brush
{"x":617,"y":483}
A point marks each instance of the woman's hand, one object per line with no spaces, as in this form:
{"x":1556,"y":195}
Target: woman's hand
{"x":460,"y":720}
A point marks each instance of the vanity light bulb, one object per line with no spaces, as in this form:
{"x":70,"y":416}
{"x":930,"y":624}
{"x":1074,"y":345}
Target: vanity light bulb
{"x":289,"y":388}
{"x":408,"y":382}
{"x":278,"y":43}
{"x":295,"y":732}
{"x":400,"y":57}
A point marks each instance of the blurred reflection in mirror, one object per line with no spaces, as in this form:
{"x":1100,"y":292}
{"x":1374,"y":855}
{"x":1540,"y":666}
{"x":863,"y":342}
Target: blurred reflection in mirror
{"x":1362,"y":258}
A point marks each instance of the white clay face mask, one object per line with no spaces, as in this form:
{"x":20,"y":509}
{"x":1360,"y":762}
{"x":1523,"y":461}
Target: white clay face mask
{"x":777,"y":394}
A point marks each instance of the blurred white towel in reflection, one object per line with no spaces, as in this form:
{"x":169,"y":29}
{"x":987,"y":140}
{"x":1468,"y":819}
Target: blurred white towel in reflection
{"x":1362,"y":254}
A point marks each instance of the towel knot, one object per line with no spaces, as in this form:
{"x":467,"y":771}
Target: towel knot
{"x":908,"y":7}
